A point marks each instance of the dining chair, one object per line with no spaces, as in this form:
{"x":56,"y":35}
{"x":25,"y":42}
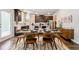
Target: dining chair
{"x":49,"y":38}
{"x":30,"y":39}
{"x":18,"y":36}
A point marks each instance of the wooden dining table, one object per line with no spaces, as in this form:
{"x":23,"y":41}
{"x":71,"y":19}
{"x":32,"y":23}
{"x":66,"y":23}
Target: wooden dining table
{"x":38,"y":34}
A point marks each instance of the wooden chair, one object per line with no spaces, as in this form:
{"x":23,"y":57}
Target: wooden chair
{"x":19,"y":38}
{"x":30,"y":39}
{"x":49,"y":38}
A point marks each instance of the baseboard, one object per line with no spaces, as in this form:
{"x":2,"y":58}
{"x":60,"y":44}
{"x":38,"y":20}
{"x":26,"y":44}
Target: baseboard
{"x":75,"y":41}
{"x":6,"y":38}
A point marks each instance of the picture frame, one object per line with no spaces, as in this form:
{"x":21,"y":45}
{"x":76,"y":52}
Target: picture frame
{"x":67,"y":19}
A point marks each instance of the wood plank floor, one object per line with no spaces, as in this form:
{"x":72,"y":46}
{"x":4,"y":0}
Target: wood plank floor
{"x":69,"y":44}
{"x":10,"y":45}
{"x":66,"y":45}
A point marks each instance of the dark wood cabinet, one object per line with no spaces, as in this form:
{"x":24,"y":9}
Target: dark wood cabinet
{"x":42,"y":18}
{"x":67,"y":33}
{"x":49,"y":17}
{"x":17,"y":15}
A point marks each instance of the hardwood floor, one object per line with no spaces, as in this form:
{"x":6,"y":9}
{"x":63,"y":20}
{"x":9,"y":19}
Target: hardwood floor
{"x":10,"y":45}
{"x":7,"y":44}
{"x":69,"y":44}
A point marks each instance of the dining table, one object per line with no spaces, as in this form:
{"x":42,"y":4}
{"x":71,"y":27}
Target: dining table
{"x":39,"y":34}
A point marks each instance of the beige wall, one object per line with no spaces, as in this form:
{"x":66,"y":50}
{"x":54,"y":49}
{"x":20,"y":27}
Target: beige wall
{"x":75,"y":20}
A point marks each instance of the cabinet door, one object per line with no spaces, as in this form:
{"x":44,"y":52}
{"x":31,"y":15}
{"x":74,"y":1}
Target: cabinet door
{"x":17,"y":15}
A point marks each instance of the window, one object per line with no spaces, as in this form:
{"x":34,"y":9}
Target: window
{"x":5,"y":23}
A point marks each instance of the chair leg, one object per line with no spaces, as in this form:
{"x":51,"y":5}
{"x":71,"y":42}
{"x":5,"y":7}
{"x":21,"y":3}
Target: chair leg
{"x":36,"y":45}
{"x":55,"y":45}
{"x":16,"y":43}
{"x":51,"y":45}
{"x":44,"y":44}
{"x":33,"y":47}
{"x":27,"y":45}
{"x":24,"y":46}
{"x":61,"y":43}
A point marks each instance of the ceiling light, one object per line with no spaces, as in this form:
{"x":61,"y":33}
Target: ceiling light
{"x":48,"y":13}
{"x":36,"y":13}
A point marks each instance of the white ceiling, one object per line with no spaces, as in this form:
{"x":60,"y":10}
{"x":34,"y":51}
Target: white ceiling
{"x":41,"y":11}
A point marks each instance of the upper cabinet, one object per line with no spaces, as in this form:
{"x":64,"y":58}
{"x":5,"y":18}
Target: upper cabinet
{"x":42,"y":18}
{"x":49,"y":17}
{"x":17,"y":15}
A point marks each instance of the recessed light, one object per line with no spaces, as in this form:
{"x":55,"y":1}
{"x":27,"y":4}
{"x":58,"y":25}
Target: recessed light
{"x":36,"y":13}
{"x":48,"y":13}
